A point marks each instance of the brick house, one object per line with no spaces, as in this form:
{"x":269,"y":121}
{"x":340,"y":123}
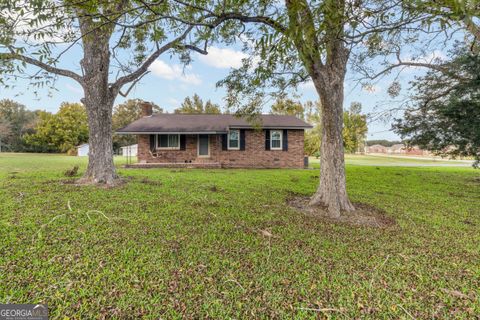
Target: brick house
{"x":217,"y":140}
{"x":376,"y":148}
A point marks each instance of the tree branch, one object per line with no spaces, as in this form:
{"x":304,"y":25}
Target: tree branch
{"x":115,"y":87}
{"x":256,"y":19}
{"x":430,"y":66}
{"x":42,"y":65}
{"x":197,"y":49}
{"x":472,"y":28}
{"x":133,"y":85}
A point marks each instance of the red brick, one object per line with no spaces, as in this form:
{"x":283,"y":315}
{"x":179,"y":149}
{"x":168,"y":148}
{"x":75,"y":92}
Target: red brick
{"x":254,"y":155}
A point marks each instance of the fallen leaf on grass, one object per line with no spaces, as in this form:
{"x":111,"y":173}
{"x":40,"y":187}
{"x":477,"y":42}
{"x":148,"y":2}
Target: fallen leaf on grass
{"x":266,"y":233}
{"x":456,"y":293}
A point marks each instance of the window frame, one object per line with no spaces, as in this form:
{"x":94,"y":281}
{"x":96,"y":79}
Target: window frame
{"x":228,"y":140}
{"x":281,"y":140}
{"x":157,"y":140}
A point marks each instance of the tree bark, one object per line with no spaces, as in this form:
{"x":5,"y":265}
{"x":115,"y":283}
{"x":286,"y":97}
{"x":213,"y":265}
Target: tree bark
{"x":327,"y":68}
{"x":332,"y":190}
{"x":100,"y":158}
{"x":98,"y":100}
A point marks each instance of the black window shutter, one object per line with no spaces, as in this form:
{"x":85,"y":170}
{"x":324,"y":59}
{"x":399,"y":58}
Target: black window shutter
{"x":224,"y":141}
{"x":242,"y":139}
{"x":152,"y":142}
{"x":285,"y":140}
{"x":267,"y":139}
{"x":182,"y":142}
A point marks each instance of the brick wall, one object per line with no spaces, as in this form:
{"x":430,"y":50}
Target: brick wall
{"x":254,"y":155}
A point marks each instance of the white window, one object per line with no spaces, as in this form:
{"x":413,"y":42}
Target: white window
{"x":234,"y":140}
{"x":168,"y":141}
{"x":276,"y":139}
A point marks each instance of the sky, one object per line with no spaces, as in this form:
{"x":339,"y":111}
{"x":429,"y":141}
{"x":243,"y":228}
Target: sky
{"x":169,"y":82}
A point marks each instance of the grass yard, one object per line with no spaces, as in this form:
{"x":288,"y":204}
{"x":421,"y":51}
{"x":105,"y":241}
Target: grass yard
{"x":177,"y":244}
{"x":396,"y":161}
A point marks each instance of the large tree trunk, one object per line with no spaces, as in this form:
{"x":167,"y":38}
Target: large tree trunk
{"x":332,"y":190}
{"x":98,"y":101}
{"x":100,"y":158}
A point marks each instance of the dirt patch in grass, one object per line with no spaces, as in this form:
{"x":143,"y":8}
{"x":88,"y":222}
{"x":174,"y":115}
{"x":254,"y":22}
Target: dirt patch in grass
{"x":119,"y":182}
{"x":214,"y":188}
{"x":151,"y":182}
{"x":475,"y":180}
{"x":365,"y":215}
{"x":62,"y":181}
{"x":71,"y":172}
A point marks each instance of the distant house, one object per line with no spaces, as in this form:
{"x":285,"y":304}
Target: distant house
{"x":218,"y":140}
{"x":377,"y":148}
{"x":82,"y":150}
{"x":130,"y":151}
{"x":397,"y":149}
{"x":414,"y":151}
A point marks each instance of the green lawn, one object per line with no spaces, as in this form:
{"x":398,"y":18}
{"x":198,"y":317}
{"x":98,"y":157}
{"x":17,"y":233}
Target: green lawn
{"x":396,"y":161}
{"x":192,"y":244}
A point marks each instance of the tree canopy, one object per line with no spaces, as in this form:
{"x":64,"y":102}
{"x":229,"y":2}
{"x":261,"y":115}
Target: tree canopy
{"x":15,"y":121}
{"x":288,"y":107}
{"x":445,"y":116}
{"x":354,"y":123}
{"x":313,"y":137}
{"x":124,"y":114}
{"x":60,"y":132}
{"x":196,"y":105}
{"x":354,"y":128}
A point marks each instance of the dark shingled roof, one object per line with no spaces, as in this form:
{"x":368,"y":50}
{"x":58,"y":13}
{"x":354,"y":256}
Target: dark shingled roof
{"x":211,"y":123}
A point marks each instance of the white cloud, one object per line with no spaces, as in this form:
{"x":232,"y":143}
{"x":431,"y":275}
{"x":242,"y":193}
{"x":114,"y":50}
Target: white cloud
{"x":173,"y":101}
{"x":174,"y":72}
{"x":223,"y":58}
{"x":307,"y":85}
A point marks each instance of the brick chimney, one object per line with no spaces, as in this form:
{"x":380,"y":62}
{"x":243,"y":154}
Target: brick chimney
{"x":147,"y":109}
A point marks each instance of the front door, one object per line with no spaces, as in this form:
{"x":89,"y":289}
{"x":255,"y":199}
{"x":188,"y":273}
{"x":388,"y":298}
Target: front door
{"x":203,"y":145}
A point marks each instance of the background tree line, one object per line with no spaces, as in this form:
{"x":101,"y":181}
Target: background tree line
{"x":444,"y":112}
{"x":354,"y":124}
{"x":23,"y":130}
{"x":15,"y":121}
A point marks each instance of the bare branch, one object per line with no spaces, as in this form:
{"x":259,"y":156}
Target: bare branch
{"x":42,"y":65}
{"x":115,"y":87}
{"x":431,"y":66}
{"x":132,"y":85}
{"x":197,"y":49}
{"x":246,"y":19}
